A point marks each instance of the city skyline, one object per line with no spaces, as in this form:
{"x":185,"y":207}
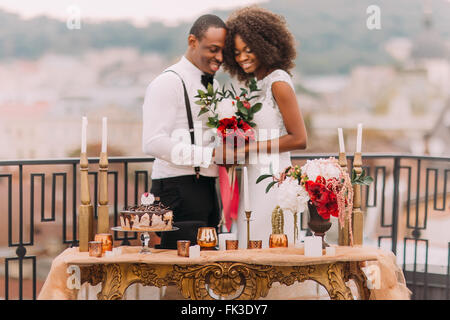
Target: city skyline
{"x":170,"y":12}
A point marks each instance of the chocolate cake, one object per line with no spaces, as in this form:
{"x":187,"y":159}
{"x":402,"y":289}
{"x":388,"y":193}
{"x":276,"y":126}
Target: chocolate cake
{"x":147,"y":217}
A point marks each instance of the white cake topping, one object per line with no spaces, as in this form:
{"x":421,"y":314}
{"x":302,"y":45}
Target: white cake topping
{"x":147,"y":199}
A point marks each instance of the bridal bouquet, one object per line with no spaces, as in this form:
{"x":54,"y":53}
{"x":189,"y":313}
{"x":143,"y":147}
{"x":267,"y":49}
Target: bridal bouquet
{"x":231,"y":113}
{"x":320,"y":182}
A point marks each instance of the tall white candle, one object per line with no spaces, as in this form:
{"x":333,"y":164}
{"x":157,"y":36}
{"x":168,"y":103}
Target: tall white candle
{"x":341,"y":141}
{"x":83,"y":134}
{"x":104,"y":134}
{"x":246,"y":199}
{"x":359,"y":138}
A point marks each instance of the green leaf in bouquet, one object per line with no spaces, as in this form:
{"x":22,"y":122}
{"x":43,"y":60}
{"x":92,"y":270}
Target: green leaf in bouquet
{"x":234,"y":90}
{"x":200,"y":102}
{"x":252,"y":85}
{"x":367,"y":181}
{"x":212,"y":120}
{"x":262,"y":177}
{"x":252,"y":124}
{"x":242,"y":109}
{"x":243,"y":91}
{"x":210,"y":89}
{"x":253,"y":97}
{"x":256,"y":107}
{"x":202,"y":111}
{"x":270,"y":185}
{"x":201,"y":93}
{"x":211,"y":125}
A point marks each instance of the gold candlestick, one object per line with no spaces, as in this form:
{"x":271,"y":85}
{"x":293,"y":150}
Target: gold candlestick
{"x":343,"y":235}
{"x":86,"y":212}
{"x":248,"y":215}
{"x":357,"y":214}
{"x":103,"y":209}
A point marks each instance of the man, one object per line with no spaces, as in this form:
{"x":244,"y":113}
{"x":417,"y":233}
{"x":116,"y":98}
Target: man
{"x":184,"y":174}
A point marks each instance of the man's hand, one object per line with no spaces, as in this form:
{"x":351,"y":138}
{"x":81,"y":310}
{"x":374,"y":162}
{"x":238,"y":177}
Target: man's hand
{"x":227,"y":156}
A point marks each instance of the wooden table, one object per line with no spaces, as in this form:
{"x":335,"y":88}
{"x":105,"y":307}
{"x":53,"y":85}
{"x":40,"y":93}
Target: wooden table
{"x":241,"y":274}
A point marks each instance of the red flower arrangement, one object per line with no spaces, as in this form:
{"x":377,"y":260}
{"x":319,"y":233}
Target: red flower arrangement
{"x":235,"y":131}
{"x":322,"y":197}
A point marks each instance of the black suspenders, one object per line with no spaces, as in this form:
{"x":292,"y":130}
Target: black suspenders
{"x":189,"y":116}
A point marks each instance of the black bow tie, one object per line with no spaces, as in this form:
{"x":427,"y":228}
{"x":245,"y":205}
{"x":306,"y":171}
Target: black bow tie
{"x":207,"y":79}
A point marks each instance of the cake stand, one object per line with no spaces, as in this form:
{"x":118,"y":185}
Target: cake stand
{"x":145,"y":236}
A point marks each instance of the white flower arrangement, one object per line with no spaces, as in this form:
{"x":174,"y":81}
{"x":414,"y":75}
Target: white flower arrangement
{"x":321,"y":167}
{"x":292,"y":196}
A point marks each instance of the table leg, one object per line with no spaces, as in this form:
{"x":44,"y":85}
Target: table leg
{"x":360,"y":280}
{"x":114,"y":283}
{"x":332,"y":277}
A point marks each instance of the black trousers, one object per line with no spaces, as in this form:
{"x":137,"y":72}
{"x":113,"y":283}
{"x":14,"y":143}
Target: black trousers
{"x":189,"y":198}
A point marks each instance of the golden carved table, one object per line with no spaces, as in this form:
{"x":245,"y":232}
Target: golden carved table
{"x":250,"y":281}
{"x":242,"y":274}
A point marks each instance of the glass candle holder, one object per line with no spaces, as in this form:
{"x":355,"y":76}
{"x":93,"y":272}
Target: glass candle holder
{"x":232,"y":244}
{"x":183,"y":248}
{"x":278,"y":241}
{"x":95,"y":248}
{"x":207,"y":238}
{"x":106,"y":239}
{"x":255,"y":244}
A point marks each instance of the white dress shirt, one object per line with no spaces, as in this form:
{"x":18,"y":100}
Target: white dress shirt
{"x":165,"y":125}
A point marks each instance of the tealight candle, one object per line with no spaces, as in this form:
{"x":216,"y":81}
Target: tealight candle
{"x":225,"y":236}
{"x":194,"y":251}
{"x":109,"y":254}
{"x":330,"y":251}
{"x":313,"y":246}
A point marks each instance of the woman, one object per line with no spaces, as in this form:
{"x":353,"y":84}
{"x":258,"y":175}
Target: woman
{"x":259,"y":44}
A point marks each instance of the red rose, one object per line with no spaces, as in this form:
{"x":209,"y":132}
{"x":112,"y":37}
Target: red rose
{"x":245,"y":131}
{"x":227,"y":127}
{"x":323,"y":199}
{"x":246,"y":104}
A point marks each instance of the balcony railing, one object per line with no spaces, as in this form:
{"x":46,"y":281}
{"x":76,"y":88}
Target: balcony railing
{"x":406,"y":211}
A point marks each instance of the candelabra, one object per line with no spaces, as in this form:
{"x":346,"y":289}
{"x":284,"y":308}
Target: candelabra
{"x":357,"y":214}
{"x":344,"y":236}
{"x":248,"y":215}
{"x":85,"y":214}
{"x":103,"y":210}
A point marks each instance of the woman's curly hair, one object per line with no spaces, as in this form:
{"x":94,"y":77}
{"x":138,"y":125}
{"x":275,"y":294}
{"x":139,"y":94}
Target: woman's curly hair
{"x":266,"y":34}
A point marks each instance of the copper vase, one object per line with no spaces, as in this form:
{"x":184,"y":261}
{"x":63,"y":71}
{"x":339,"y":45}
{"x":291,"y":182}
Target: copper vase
{"x":317,"y":224}
{"x":207,"y":238}
{"x":278,"y":241}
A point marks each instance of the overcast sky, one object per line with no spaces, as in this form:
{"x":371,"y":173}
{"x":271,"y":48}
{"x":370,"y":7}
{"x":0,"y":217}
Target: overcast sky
{"x":139,"y":11}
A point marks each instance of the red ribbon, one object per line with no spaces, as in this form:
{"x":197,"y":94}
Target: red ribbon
{"x":229,"y":195}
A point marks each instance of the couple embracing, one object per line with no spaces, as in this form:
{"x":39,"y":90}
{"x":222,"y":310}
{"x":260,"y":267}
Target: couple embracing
{"x":253,"y":43}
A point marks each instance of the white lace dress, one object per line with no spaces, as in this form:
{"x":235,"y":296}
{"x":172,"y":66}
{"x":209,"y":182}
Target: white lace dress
{"x":269,"y":125}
